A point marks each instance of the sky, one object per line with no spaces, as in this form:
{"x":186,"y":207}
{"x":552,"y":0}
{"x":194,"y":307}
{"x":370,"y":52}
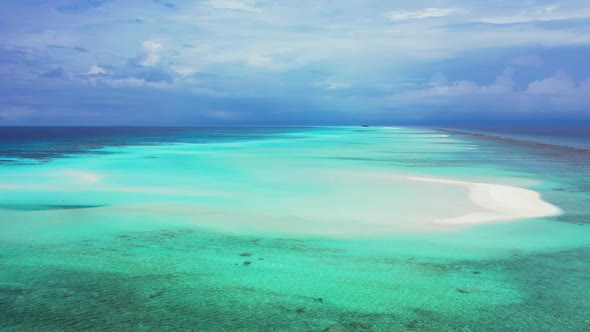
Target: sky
{"x":294,"y":62}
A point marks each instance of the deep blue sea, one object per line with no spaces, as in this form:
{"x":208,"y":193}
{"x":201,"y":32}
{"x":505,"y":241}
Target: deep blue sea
{"x":570,"y":136}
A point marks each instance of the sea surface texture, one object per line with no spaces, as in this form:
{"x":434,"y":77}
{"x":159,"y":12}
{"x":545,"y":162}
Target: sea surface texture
{"x":287,"y":229}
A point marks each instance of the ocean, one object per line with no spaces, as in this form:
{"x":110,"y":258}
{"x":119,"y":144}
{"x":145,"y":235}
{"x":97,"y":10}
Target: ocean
{"x":294,"y":229}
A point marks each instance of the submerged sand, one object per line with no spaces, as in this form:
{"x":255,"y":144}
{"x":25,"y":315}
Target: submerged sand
{"x":333,"y":203}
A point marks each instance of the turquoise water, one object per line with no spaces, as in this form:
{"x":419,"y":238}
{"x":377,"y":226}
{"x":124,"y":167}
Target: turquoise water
{"x":297,"y":229}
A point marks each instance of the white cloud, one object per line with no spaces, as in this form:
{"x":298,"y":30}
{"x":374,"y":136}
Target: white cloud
{"x":547,"y":13}
{"x":504,"y":84}
{"x":559,"y":91}
{"x":558,"y":84}
{"x":241,"y":5}
{"x":333,"y":85}
{"x":150,"y":54}
{"x":96,"y":70}
{"x":548,"y":9}
{"x":128,"y":82}
{"x":220,"y":36}
{"x":261,"y":61}
{"x":420,"y":14}
{"x":183,"y":71}
{"x":298,"y":33}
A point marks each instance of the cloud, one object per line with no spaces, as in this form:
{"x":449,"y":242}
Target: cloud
{"x":166,"y":4}
{"x":261,"y":61}
{"x":333,"y":85}
{"x":96,"y":70}
{"x":183,"y":71}
{"x":239,"y":5}
{"x":551,"y":12}
{"x":57,"y":72}
{"x":324,"y":51}
{"x":77,"y":49}
{"x":133,"y":82}
{"x":421,"y":14}
{"x":150,"y":53}
{"x":131,"y":76}
{"x":156,"y":76}
{"x":559,"y":93}
{"x":527,"y":61}
{"x":124,"y":82}
{"x":516,"y":107}
{"x":439,"y":87}
{"x":81,"y":5}
{"x":559,"y":84}
{"x":208,"y":92}
{"x":289,"y":35}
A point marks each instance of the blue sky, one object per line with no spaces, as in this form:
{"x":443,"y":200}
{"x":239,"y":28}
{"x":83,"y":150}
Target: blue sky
{"x":171,"y":62}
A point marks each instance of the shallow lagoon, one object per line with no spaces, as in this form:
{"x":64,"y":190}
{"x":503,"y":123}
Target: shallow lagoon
{"x":155,"y":233}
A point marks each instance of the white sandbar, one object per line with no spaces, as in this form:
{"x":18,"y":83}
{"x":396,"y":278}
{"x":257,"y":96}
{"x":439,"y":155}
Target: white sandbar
{"x":503,"y":203}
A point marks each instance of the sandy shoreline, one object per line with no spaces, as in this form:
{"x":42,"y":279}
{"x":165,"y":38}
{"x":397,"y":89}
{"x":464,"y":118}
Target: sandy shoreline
{"x":504,"y":203}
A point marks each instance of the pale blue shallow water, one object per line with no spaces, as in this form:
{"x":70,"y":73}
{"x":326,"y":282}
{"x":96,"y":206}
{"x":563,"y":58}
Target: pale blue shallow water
{"x":284,"y":229}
